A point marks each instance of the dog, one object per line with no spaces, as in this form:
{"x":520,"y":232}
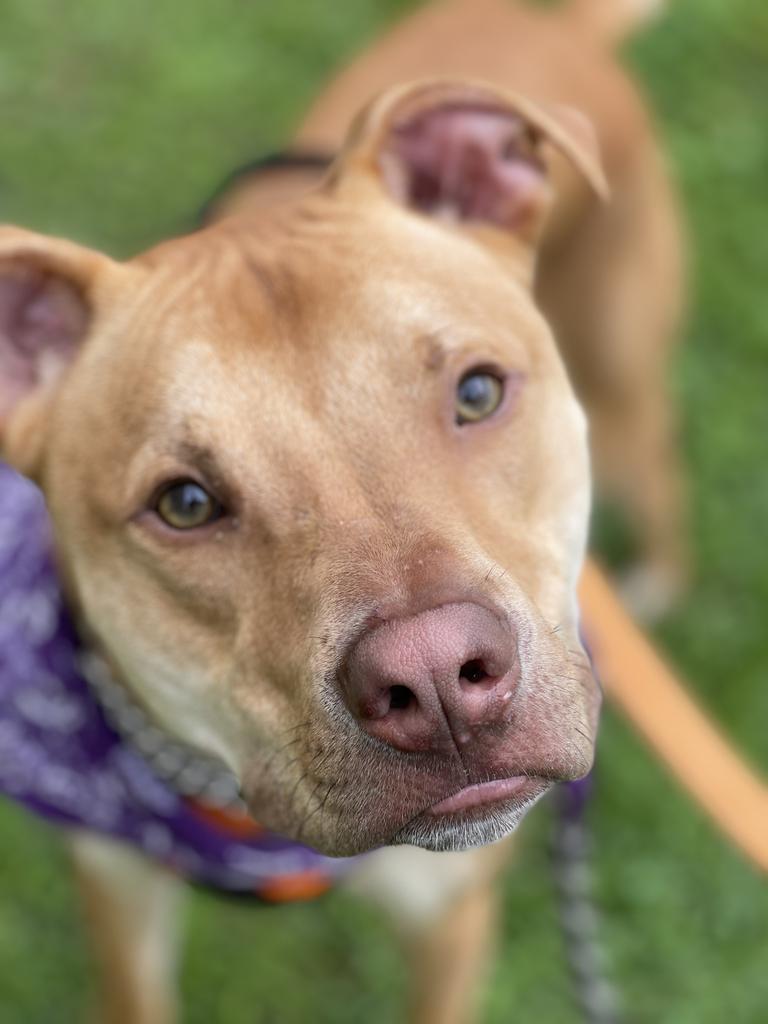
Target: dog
{"x":319,"y":481}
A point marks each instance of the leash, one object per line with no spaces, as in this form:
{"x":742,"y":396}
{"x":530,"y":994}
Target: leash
{"x":579,"y":916}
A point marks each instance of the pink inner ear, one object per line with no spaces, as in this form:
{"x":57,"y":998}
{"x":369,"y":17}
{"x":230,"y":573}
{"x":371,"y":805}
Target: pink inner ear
{"x":42,"y":319}
{"x":467,"y":163}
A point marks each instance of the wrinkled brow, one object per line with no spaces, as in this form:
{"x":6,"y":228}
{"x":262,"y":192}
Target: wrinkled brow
{"x":433,"y":349}
{"x":202,"y":458}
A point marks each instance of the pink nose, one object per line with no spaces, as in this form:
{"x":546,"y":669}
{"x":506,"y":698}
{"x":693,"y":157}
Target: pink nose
{"x":432,"y":681}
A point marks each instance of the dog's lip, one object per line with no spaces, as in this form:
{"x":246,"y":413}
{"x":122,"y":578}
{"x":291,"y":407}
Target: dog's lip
{"x":516,"y":786}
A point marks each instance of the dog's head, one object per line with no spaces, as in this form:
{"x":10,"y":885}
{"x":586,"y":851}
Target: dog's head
{"x":319,"y":482}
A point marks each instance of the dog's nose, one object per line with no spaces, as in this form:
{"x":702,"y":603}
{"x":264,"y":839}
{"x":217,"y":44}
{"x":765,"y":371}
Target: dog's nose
{"x":430,"y":682}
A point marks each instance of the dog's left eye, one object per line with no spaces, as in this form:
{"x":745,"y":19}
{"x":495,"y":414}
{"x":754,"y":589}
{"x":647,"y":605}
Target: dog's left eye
{"x":185,"y":505}
{"x":478,"y":395}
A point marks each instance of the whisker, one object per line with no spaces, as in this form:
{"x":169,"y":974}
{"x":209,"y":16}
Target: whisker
{"x":319,"y":806}
{"x":302,"y":777}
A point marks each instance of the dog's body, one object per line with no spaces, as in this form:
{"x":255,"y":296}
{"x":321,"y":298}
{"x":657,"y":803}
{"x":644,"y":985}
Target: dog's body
{"x":320,"y":485}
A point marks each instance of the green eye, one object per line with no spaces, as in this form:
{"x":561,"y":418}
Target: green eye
{"x":186,"y":505}
{"x":478,"y":395}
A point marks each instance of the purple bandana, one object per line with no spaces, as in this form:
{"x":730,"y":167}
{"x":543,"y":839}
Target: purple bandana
{"x":61,"y":759}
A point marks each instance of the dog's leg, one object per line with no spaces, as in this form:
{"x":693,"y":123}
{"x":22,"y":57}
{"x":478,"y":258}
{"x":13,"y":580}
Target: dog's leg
{"x":450,"y":957}
{"x":131,"y":909}
{"x":443,"y":906}
{"x":635,"y":452}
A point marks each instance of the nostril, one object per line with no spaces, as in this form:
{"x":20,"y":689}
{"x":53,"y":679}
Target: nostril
{"x":400,"y":697}
{"x":473,"y":671}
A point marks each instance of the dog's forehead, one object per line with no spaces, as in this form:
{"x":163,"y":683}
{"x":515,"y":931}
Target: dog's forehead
{"x":329,"y":281}
{"x":342,"y":317}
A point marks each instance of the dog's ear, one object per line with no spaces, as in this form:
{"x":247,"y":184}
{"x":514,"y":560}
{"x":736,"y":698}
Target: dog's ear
{"x":46,"y":310}
{"x":467,"y":153}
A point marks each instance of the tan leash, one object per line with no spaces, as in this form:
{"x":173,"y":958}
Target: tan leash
{"x":659,"y":706}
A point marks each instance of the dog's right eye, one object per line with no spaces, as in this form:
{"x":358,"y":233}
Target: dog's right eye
{"x":478,"y":395}
{"x":185,"y":505}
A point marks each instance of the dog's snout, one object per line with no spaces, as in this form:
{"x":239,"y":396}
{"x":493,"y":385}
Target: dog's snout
{"x":431,"y":681}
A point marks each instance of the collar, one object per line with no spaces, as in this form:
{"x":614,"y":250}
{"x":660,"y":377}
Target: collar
{"x":186,"y":770}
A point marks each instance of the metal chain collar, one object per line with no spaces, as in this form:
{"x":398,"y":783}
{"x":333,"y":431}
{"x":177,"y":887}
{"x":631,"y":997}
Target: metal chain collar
{"x":186,"y":770}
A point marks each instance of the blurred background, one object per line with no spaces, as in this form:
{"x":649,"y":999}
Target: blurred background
{"x":117,"y":121}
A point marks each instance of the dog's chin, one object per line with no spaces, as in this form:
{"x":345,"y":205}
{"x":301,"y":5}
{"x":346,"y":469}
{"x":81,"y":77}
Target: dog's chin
{"x":464,"y":830}
{"x":470,"y":817}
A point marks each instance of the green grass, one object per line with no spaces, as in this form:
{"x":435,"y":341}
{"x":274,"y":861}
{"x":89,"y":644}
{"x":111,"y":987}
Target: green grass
{"x":117,"y":118}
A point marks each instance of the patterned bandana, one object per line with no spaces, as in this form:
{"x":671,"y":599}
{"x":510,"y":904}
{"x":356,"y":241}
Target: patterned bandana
{"x":61,"y":758}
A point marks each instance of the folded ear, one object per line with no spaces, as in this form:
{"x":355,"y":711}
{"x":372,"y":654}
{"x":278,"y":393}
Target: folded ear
{"x":466,"y":152}
{"x":46,"y":310}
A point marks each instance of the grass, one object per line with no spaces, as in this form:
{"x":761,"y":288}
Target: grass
{"x":117,"y":119}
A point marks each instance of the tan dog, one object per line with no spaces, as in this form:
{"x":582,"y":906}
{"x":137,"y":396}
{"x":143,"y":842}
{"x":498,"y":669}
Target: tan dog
{"x":320,"y":468}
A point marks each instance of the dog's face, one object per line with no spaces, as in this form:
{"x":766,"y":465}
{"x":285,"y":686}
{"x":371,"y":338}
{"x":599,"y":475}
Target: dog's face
{"x":320,"y":491}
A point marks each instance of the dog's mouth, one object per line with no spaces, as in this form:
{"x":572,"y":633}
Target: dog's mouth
{"x":348,"y":793}
{"x":475,"y":815}
{"x":496,"y":791}
{"x":434,"y":806}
